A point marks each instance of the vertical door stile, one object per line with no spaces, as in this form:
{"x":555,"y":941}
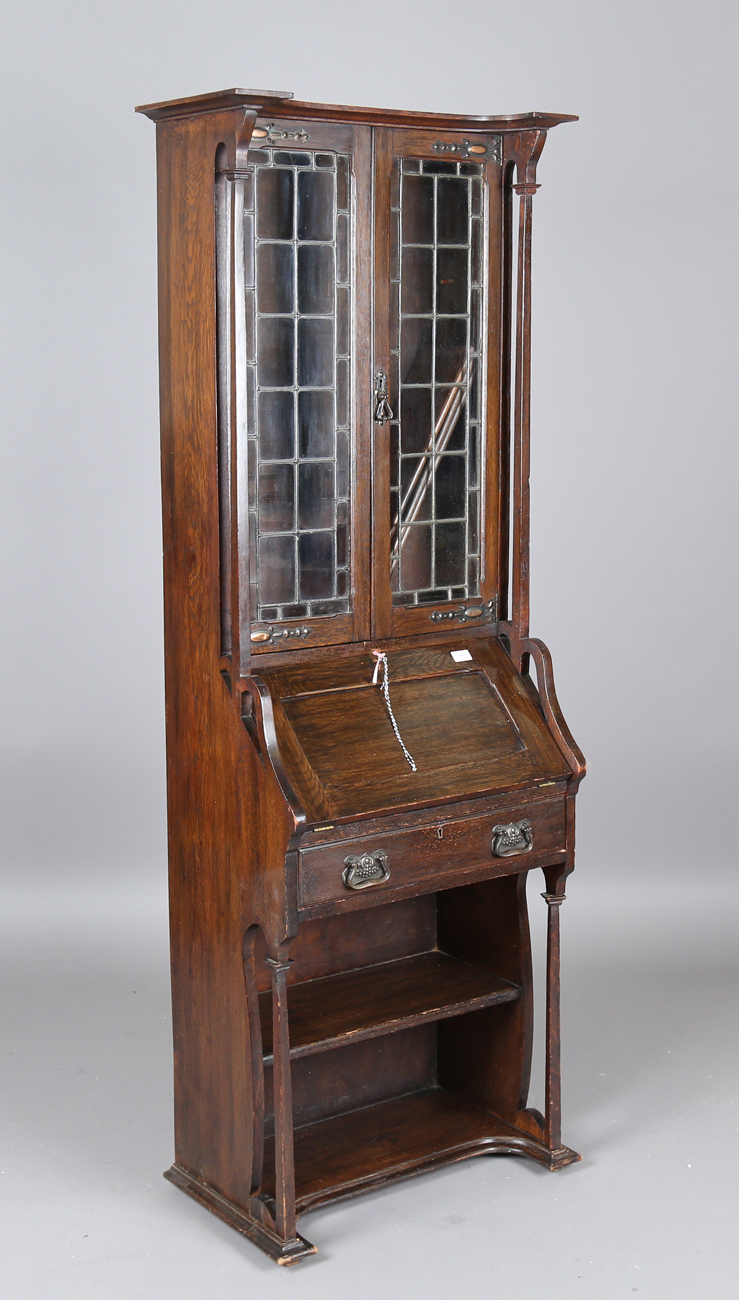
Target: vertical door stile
{"x":383,"y":160}
{"x":361,"y":349}
{"x":494,"y":399}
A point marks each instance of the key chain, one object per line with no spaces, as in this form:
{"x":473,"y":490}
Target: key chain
{"x":381,"y":658}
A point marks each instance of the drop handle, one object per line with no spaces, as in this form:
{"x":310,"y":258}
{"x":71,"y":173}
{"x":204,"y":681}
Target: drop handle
{"x":512,"y":838}
{"x":365,"y":870}
{"x":383,"y":413}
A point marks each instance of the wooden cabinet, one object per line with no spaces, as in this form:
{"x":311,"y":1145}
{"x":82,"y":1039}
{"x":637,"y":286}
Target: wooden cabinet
{"x":365,"y":751}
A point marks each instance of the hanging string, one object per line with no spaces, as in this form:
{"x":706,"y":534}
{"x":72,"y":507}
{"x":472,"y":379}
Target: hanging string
{"x":381,"y":658}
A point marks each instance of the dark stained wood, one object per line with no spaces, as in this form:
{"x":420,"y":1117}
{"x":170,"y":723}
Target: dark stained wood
{"x":328,"y":1040}
{"x":341,"y":752}
{"x":340,"y":942}
{"x":439,"y":855}
{"x":328,"y":1084}
{"x":298,"y":108}
{"x":381,"y":999}
{"x":340,"y":1157}
{"x":486,"y":1058}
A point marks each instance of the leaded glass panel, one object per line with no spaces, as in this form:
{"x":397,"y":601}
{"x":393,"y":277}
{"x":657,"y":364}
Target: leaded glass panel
{"x":436,"y":350}
{"x":298,"y":312}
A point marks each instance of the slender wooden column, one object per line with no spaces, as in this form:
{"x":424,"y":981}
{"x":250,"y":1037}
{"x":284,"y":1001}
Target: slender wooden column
{"x":554,"y":897}
{"x":285,"y":1218}
{"x":233,"y":461}
{"x":523,"y":150}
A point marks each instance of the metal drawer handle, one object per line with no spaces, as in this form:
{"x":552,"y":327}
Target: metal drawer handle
{"x":513,"y":837}
{"x":368,"y":869}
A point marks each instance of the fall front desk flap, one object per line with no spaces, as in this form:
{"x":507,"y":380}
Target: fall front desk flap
{"x":466,"y":719}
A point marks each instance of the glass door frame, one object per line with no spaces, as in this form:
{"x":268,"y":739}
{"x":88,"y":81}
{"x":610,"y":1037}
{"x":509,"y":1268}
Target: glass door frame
{"x":391,"y":144}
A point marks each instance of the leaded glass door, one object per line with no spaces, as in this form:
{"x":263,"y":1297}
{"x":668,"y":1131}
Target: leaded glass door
{"x":437,"y":342}
{"x":306,"y":258}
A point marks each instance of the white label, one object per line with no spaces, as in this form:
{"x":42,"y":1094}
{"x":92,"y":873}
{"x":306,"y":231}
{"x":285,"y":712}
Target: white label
{"x":459,"y":656}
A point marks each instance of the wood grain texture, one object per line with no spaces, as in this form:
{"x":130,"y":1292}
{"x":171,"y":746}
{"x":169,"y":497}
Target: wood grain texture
{"x":284,"y":103}
{"x":328,"y":1040}
{"x":423,"y":859}
{"x":355,"y":1152}
{"x":375,"y":1000}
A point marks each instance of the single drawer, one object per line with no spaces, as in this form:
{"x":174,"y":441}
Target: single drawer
{"x":375,"y":868}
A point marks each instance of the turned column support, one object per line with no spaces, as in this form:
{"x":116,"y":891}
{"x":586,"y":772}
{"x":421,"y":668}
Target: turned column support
{"x":233,"y":171}
{"x":554,"y":896}
{"x":285,"y":1217}
{"x":522,"y":151}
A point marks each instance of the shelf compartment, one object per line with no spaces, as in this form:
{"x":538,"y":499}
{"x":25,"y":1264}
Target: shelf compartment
{"x":351,"y":1153}
{"x":373,"y":1000}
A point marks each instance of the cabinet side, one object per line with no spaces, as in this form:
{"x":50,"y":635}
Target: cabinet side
{"x":221,"y":800}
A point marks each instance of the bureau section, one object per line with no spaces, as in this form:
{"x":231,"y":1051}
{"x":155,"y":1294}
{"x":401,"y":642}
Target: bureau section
{"x":389,"y":864}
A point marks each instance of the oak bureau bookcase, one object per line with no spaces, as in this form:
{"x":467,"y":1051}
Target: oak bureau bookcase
{"x":366,"y":755}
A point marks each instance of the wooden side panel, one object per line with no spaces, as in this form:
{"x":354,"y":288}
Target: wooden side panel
{"x":220,"y":797}
{"x":485,"y":1057}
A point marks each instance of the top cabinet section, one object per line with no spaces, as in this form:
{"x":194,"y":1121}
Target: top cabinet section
{"x":359,"y":363}
{"x":371,"y":416}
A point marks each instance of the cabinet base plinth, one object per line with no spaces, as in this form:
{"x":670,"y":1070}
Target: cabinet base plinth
{"x":563,"y":1156}
{"x":282,"y":1252}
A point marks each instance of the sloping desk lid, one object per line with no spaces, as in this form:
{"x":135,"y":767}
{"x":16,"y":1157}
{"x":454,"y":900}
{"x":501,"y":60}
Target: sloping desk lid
{"x":472,"y":727}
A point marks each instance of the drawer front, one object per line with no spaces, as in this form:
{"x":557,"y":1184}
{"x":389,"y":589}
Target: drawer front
{"x":374,"y":869}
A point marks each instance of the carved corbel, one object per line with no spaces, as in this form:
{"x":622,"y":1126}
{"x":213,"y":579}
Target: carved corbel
{"x":237,"y":147}
{"x":524,"y":150}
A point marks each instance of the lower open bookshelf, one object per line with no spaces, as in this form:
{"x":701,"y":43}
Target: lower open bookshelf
{"x":351,"y":1153}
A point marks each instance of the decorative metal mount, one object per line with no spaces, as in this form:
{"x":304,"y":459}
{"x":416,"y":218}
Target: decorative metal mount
{"x":471,"y":148}
{"x":383,"y":412}
{"x":512,"y":838}
{"x":266,"y":636}
{"x":485,"y":613}
{"x":368,"y":869}
{"x":271,"y":134}
{"x":462,"y":148}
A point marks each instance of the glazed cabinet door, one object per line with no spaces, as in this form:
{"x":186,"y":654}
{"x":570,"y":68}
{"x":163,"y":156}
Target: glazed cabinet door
{"x":294,"y":378}
{"x":438,"y":357}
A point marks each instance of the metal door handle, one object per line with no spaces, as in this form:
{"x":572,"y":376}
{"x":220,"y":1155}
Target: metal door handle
{"x":383,"y":412}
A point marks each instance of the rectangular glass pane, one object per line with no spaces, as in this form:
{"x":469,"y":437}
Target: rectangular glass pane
{"x":316,"y":551}
{"x":275,"y":189}
{"x":275,"y":273}
{"x":316,"y":494}
{"x":436,"y":346}
{"x":299,"y":389}
{"x":276,"y":426}
{"x":276,"y":569}
{"x":316,"y":279}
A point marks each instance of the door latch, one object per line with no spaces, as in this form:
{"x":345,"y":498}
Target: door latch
{"x":383,"y":412}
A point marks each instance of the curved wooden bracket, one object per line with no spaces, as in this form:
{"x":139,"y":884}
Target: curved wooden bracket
{"x":520,"y":650}
{"x":237,"y":146}
{"x":536,"y":648}
{"x":260,"y":724}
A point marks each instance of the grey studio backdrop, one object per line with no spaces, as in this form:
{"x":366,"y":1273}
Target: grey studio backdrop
{"x":634,"y":589}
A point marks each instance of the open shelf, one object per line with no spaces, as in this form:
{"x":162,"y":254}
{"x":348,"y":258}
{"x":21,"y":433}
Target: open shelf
{"x":393,"y":1139}
{"x":373,"y":1000}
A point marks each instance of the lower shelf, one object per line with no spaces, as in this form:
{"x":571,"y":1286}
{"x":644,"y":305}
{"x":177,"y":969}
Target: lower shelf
{"x":374,"y":1000}
{"x":346,"y":1155}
